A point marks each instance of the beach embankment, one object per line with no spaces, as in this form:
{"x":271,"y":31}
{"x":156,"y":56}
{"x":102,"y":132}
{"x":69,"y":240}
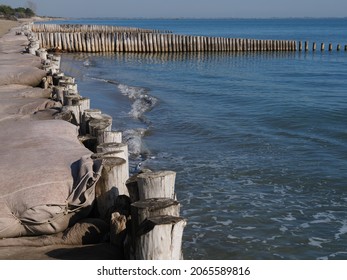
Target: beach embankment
{"x":65,"y":191}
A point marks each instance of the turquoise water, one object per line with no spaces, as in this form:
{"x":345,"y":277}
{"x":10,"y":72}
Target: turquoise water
{"x":258,"y":140}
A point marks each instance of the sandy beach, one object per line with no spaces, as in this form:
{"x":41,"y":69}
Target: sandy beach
{"x":29,"y":151}
{"x":6,"y":25}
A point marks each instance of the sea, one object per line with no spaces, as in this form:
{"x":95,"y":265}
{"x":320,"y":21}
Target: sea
{"x":258,"y":140}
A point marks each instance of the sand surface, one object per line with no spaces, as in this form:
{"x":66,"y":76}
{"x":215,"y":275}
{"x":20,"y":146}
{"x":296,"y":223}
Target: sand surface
{"x":22,"y":105}
{"x":6,"y":25}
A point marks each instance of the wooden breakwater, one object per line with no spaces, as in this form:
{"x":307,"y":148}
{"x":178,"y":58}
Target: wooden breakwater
{"x":142,"y":210}
{"x":86,"y":38}
{"x":154,"y":42}
{"x":94,"y":38}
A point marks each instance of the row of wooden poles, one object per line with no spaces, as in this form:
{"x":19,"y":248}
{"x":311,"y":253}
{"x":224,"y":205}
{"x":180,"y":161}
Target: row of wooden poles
{"x":158,"y":42}
{"x":155,"y":42}
{"x":103,"y":38}
{"x":71,"y":28}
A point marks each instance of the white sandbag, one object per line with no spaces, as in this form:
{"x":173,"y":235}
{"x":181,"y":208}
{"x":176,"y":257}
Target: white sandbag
{"x":47,"y":177}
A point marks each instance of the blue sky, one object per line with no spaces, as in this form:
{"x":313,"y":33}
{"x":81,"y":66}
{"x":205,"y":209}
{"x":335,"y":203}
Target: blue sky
{"x":187,"y":8}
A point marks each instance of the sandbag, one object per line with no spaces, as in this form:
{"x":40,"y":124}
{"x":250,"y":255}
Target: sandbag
{"x":47,"y":177}
{"x":26,"y":75}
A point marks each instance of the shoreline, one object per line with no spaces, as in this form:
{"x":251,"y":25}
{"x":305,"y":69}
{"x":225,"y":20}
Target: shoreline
{"x":29,"y":150}
{"x":76,"y":168}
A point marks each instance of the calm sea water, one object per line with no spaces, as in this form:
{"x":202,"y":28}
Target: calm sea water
{"x":258,"y":140}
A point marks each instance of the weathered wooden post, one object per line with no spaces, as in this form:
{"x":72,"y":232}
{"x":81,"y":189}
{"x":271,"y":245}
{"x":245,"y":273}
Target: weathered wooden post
{"x":330,"y":47}
{"x":160,"y":238}
{"x":99,"y":125}
{"x":88,"y":115}
{"x":322,"y":47}
{"x":121,"y":149}
{"x":338,"y":47}
{"x":110,"y":185}
{"x":314,"y":46}
{"x":156,"y":185}
{"x":306,"y":46}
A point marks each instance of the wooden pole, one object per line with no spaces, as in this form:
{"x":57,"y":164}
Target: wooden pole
{"x":155,"y":46}
{"x":110,"y":185}
{"x":160,"y":238}
{"x":330,"y":47}
{"x":87,"y":116}
{"x":121,"y":149}
{"x":306,"y":46}
{"x":51,"y":40}
{"x":98,"y":127}
{"x":156,"y":185}
{"x":146,"y":43}
{"x":322,"y":47}
{"x":314,"y":46}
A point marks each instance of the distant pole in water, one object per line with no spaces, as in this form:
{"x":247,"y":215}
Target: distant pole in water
{"x":330,"y":47}
{"x":306,"y":46}
{"x":314,"y":46}
{"x":338,"y":47}
{"x":322,"y":47}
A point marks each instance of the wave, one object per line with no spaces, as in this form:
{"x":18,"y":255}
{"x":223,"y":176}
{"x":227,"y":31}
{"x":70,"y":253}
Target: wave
{"x":134,"y":139}
{"x":142,"y":101}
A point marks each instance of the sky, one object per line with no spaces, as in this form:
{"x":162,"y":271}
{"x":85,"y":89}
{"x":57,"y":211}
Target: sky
{"x":186,"y":8}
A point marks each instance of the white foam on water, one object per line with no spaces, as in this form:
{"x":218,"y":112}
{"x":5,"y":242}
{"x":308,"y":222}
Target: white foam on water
{"x":283,"y":229}
{"x":142,"y":101}
{"x":323,"y":217}
{"x":232,"y":237}
{"x":133,"y":137}
{"x":246,"y":228}
{"x":317,"y":242}
{"x":342,"y":230}
{"x":305,"y":225}
{"x":289,"y":217}
{"x":196,"y":237}
{"x":87,"y":63}
{"x":224,"y":223}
